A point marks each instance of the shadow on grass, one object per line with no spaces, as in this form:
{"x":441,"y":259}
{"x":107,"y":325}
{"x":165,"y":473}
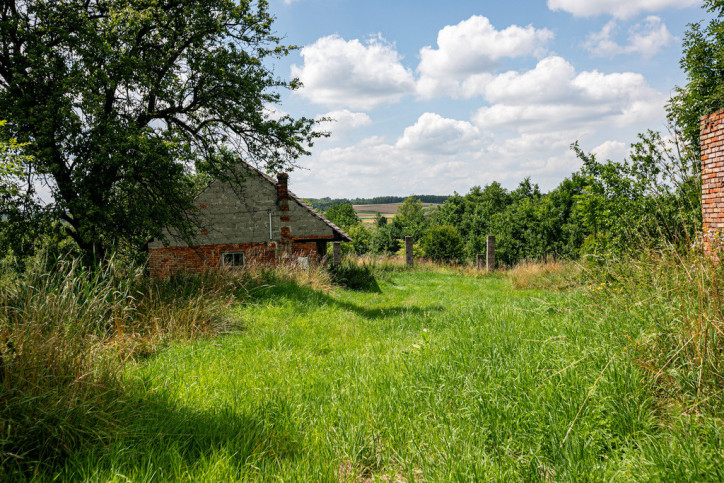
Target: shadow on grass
{"x":306,"y":298}
{"x":153,"y":434}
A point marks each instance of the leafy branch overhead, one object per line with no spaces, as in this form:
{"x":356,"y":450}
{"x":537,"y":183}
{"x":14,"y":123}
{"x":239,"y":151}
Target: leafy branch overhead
{"x":123,"y":102}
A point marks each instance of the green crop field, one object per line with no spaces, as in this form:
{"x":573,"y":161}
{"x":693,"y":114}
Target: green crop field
{"x":429,"y":376}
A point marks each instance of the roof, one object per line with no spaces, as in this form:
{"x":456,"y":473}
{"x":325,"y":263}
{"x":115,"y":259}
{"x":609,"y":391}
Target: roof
{"x":339,"y":234}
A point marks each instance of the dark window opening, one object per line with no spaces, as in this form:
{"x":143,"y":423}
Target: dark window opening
{"x":232,"y":259}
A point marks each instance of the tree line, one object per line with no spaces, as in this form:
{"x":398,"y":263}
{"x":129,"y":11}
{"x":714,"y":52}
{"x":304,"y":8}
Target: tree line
{"x":323,"y":204}
{"x":605,"y":208}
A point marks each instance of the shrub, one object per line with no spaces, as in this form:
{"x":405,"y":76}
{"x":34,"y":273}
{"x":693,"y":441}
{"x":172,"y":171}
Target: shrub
{"x":443,"y":243}
{"x":355,"y":276}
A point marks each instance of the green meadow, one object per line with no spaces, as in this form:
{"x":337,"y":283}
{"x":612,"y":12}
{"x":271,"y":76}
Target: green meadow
{"x":427,"y":375}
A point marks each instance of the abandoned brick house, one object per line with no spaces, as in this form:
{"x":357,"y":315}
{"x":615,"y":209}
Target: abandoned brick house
{"x":256,"y":220}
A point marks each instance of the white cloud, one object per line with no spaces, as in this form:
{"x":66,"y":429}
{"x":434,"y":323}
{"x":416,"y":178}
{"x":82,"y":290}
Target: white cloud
{"x":553,"y":95}
{"x":614,"y":150}
{"x":469,"y":49}
{"x":344,"y":120}
{"x":340,"y":123}
{"x":433,"y":133}
{"x":645,"y":38}
{"x":617,"y":8}
{"x":350,"y":74}
{"x":438,"y":155}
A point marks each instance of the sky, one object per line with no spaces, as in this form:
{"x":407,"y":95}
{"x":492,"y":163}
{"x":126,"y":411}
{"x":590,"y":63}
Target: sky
{"x":435,"y":97}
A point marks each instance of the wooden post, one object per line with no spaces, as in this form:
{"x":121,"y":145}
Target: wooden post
{"x":481,"y":261}
{"x":336,"y":253}
{"x":490,"y":255}
{"x":408,"y":251}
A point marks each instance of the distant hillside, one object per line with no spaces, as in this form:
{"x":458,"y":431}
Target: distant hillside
{"x":323,"y":204}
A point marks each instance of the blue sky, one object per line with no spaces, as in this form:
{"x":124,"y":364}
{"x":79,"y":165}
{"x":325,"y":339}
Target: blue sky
{"x":433,"y":97}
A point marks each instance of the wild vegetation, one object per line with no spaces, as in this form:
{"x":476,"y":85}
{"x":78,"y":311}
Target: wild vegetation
{"x":594,"y":352}
{"x":435,"y":373}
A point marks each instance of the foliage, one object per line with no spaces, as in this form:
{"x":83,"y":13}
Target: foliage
{"x":355,"y":276}
{"x":361,"y":238}
{"x":443,"y":243}
{"x":342,"y":215}
{"x":122,"y":101}
{"x":380,"y":220}
{"x":703,"y":63}
{"x":386,"y":239}
{"x":13,"y":166}
{"x":651,"y":199}
{"x":410,"y":218}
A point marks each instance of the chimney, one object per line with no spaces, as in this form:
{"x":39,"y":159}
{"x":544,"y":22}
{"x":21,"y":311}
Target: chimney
{"x":282,"y":189}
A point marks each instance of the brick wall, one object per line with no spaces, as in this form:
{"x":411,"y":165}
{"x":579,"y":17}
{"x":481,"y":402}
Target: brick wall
{"x":712,"y":178}
{"x":165,"y":261}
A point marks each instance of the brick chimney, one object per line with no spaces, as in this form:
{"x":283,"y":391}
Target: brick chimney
{"x":282,"y":188}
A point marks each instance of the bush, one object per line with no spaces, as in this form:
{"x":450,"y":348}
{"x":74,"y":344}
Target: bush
{"x":443,"y":243}
{"x":355,"y":276}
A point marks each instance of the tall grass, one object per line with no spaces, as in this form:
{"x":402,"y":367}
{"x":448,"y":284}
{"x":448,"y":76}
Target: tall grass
{"x":674,"y":302}
{"x":65,"y":332}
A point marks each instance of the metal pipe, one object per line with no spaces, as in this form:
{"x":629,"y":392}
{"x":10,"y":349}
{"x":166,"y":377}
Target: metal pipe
{"x":270,"y":226}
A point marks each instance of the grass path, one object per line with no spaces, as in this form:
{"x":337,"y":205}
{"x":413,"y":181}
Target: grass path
{"x":436,"y":377}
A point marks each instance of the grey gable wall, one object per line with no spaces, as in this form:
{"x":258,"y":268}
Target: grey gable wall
{"x":235,"y":215}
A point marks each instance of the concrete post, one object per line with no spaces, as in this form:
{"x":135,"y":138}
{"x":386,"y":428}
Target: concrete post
{"x":336,"y":253}
{"x":490,"y":254}
{"x":480,"y":261}
{"x":409,"y":256}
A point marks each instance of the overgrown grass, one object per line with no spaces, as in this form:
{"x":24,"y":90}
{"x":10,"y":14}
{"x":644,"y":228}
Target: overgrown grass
{"x":437,"y":373}
{"x":435,"y":377}
{"x":67,"y":331}
{"x":675,"y":303}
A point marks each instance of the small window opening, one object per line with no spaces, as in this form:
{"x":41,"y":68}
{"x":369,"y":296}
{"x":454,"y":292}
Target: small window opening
{"x":232,"y":259}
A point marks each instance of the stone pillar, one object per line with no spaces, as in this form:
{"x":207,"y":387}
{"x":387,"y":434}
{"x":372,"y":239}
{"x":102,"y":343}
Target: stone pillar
{"x":712,"y":179}
{"x":409,"y":255}
{"x":336,"y":253}
{"x":490,"y":253}
{"x":480,"y":261}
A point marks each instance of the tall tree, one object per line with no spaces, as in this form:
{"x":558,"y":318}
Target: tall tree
{"x":122,"y":102}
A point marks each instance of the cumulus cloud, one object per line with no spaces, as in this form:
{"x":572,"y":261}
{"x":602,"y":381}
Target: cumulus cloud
{"x":645,"y":38}
{"x":554,"y":94}
{"x":340,"y":123}
{"x":617,"y":8}
{"x":344,"y":119}
{"x":615,"y":150}
{"x":351,"y":74}
{"x":433,"y":133}
{"x":466,"y":52}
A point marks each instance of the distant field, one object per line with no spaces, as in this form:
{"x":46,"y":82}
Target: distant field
{"x":367,"y":213}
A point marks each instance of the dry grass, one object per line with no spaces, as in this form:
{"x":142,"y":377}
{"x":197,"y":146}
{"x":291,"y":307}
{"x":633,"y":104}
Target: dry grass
{"x":549,"y":274}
